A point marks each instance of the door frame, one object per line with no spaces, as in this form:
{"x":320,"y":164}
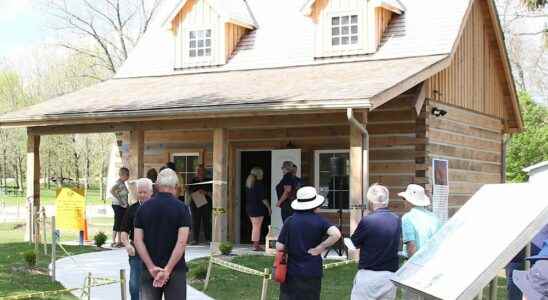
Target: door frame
{"x":237,"y":190}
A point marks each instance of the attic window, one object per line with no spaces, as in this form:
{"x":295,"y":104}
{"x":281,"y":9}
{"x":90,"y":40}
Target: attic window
{"x":344,"y":30}
{"x":199,"y":43}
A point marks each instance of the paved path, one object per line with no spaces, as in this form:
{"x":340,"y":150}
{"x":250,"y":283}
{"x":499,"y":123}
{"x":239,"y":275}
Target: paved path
{"x":14,"y":213}
{"x":71,"y":271}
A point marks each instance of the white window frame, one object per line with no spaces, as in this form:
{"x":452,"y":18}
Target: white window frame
{"x":317,"y":173}
{"x":350,"y":47}
{"x":192,"y":154}
{"x":189,"y":61}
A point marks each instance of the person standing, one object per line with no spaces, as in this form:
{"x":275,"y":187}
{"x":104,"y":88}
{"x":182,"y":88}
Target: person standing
{"x":378,"y":237}
{"x":256,"y":206}
{"x":152,"y":174}
{"x":120,"y":194}
{"x":286,"y":189}
{"x":162,"y":227}
{"x":201,"y":205}
{"x":302,"y":238}
{"x":533,"y":283}
{"x":419,"y":224}
{"x":144,"y":192}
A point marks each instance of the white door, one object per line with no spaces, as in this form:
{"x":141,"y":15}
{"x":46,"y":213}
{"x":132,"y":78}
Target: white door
{"x":278,"y":157}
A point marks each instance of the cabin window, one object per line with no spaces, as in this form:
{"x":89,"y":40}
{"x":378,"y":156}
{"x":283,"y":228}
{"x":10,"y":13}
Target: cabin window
{"x":199,"y":43}
{"x":344,"y":30}
{"x":186,"y":165}
{"x":336,"y":190}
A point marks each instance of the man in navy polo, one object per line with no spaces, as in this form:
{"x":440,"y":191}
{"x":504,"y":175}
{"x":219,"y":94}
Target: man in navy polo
{"x":162,"y":225}
{"x":378,"y":237}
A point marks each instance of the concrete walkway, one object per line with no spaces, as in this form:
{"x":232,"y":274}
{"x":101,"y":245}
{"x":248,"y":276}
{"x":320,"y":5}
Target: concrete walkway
{"x":72,"y":271}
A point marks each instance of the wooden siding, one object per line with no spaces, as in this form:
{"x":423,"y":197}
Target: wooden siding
{"x":471,"y":142}
{"x":475,"y":79}
{"x":234,"y":33}
{"x":321,"y":14}
{"x":382,"y":20}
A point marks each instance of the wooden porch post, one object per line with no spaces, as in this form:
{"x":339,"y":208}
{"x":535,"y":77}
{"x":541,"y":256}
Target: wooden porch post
{"x":220,"y":195}
{"x":359,"y":173}
{"x":33,"y":185}
{"x":136,"y":153}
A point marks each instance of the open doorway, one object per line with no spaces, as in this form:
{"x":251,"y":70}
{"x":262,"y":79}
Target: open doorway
{"x":249,"y":160}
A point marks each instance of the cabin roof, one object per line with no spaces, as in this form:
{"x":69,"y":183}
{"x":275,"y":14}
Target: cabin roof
{"x":326,"y":86}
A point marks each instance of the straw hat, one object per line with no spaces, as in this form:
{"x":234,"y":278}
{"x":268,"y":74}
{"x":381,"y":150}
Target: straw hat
{"x":415,"y":195}
{"x":307,"y":199}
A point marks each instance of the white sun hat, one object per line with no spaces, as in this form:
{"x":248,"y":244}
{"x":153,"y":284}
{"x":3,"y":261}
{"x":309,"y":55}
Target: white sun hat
{"x":415,"y":195}
{"x":307,"y":198}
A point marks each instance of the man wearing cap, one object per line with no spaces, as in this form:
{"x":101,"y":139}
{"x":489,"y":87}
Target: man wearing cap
{"x":419,"y":224}
{"x":534,"y":283}
{"x":286,"y":189}
{"x":378,"y":237}
{"x":302,"y":238}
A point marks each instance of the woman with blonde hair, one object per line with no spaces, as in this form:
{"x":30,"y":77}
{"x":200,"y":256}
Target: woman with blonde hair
{"x":257,"y":205}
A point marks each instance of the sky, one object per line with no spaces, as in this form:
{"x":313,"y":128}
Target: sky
{"x":21,"y":26}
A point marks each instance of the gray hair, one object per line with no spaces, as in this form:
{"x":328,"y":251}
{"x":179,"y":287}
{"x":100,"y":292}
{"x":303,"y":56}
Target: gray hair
{"x":167,"y":178}
{"x":378,"y":195}
{"x":257,"y":172}
{"x":288,"y":166}
{"x":144,"y":183}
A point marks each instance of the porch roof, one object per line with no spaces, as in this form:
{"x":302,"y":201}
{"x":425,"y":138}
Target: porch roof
{"x":365,"y":84}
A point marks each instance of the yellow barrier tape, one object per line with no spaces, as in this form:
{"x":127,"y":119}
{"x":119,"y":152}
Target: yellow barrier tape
{"x":338,"y":264}
{"x":106,"y":281}
{"x":238,"y":268}
{"x":219,"y":211}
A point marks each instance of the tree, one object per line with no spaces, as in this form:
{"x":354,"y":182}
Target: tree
{"x":531,"y":146}
{"x":535,"y":4}
{"x":102,"y":30}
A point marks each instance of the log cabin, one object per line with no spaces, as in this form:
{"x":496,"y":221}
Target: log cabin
{"x":388,"y":85}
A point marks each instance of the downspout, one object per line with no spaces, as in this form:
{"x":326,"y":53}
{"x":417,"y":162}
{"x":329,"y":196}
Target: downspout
{"x":365,"y":154}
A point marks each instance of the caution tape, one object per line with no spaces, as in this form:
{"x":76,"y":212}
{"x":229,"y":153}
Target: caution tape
{"x":218,"y":211}
{"x":338,"y":264}
{"x":105,"y":281}
{"x":238,"y":268}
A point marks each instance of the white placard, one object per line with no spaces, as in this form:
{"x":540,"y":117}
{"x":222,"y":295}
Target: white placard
{"x":440,"y":190}
{"x":477,"y":242}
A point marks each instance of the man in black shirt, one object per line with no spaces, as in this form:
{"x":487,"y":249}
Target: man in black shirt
{"x":144,"y":192}
{"x":201,"y":212}
{"x":162,"y":225}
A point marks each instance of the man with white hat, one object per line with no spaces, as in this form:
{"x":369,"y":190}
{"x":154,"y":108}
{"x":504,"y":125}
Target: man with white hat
{"x":302,"y":238}
{"x":419,"y":224}
{"x":534,"y":283}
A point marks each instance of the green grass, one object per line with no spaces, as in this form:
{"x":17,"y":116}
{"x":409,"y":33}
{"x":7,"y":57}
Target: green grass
{"x":16,"y":279}
{"x":14,"y":232}
{"x":228,"y":284}
{"x":47,"y":197}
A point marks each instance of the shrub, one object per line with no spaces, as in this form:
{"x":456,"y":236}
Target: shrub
{"x":199,"y":271}
{"x":100,"y":239}
{"x":30,"y":258}
{"x":226,"y":248}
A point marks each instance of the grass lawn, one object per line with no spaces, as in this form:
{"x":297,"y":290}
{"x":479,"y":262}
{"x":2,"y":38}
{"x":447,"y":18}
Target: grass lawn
{"x":228,"y":284}
{"x":16,"y":279}
{"x":47,"y":196}
{"x":14,"y":232}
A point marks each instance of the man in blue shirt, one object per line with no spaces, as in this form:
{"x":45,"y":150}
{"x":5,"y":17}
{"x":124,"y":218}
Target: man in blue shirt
{"x":162,"y":225}
{"x":303,"y":239}
{"x":378,"y":237}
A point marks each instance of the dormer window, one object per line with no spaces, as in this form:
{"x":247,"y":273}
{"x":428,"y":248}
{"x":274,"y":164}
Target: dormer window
{"x":344,"y":31}
{"x":199,"y":43}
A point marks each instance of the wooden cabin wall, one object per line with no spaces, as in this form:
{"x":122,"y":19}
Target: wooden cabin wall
{"x":475,"y":79}
{"x":233,"y":35}
{"x":382,"y":20}
{"x":471,"y":142}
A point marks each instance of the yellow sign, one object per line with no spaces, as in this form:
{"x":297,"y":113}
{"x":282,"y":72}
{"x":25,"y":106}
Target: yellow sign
{"x":70,"y":209}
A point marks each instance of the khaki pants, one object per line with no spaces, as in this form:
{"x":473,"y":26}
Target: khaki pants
{"x":373,"y":285}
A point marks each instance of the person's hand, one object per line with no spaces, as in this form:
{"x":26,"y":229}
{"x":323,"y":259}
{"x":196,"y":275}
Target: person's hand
{"x":154,"y":271}
{"x":161,"y":279}
{"x":279,"y":204}
{"x":130,"y":250}
{"x":316,"y":251}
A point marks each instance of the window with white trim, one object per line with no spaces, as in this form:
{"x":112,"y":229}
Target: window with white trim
{"x":186,"y":165}
{"x":199,"y":43}
{"x":336,"y":190}
{"x":344,"y":31}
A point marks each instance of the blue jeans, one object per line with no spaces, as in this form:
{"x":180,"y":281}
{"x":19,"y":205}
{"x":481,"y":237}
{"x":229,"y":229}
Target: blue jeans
{"x":513,"y":291}
{"x":135,"y":268}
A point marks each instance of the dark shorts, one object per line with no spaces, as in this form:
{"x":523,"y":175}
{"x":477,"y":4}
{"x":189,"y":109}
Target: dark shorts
{"x":175,"y":288}
{"x":118,"y":217}
{"x":298,"y":288}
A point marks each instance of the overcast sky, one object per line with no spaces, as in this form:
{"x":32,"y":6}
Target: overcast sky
{"x":21,"y":26}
